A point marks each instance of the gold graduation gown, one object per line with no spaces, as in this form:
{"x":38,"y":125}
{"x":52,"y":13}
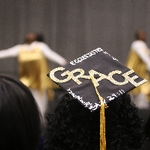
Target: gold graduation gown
{"x":33,"y":69}
{"x":135,"y":62}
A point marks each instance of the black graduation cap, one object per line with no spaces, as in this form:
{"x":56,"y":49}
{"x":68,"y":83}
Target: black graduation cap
{"x":95,"y":72}
{"x":95,"y":79}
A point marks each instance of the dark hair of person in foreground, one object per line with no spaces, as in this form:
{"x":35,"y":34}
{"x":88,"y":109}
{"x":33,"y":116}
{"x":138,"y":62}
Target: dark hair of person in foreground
{"x":20,"y":123}
{"x":73,"y":127}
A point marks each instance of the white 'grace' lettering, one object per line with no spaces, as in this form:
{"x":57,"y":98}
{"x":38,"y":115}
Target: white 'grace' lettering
{"x":78,"y":74}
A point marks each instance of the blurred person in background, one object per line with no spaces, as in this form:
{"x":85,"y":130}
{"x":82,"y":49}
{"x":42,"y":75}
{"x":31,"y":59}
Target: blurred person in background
{"x":139,"y":60}
{"x":33,"y":66}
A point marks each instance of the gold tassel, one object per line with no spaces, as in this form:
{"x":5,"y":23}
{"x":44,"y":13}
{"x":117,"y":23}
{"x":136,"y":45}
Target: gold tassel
{"x":102,"y":118}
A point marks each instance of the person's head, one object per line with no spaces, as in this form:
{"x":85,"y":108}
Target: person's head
{"x":73,"y":126}
{"x":20,"y":123}
{"x":39,"y":37}
{"x":140,"y":35}
{"x":97,"y":83}
{"x":30,"y":37}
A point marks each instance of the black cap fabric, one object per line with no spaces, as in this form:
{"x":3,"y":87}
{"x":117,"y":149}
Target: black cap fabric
{"x":96,"y":70}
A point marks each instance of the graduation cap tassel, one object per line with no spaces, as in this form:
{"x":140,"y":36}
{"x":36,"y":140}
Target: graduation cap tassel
{"x":102,"y":118}
{"x":102,"y":127}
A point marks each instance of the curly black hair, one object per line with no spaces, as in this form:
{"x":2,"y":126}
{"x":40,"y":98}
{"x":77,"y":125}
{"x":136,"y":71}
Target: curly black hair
{"x":73,"y":127}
